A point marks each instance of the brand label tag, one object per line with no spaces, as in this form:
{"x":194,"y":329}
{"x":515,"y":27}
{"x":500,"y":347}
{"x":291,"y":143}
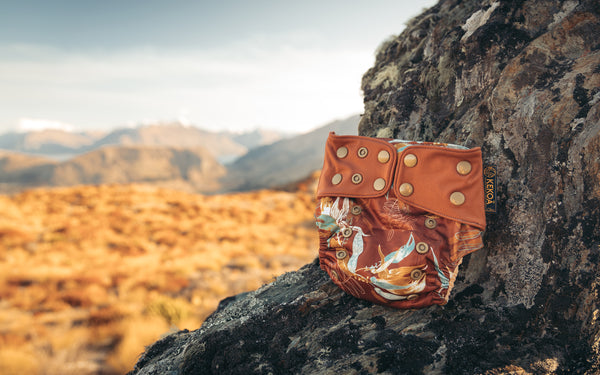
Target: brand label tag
{"x":489,"y":187}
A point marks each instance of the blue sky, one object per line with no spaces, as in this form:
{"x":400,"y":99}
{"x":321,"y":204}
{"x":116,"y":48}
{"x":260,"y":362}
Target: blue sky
{"x":222,"y":65}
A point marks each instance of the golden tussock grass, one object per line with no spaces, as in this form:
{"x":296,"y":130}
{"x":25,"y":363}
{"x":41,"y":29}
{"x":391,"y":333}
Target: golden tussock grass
{"x":91,"y":275}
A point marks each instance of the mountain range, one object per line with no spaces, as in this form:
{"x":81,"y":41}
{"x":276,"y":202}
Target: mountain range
{"x":61,"y":144}
{"x":284,"y":161}
{"x":168,"y":155}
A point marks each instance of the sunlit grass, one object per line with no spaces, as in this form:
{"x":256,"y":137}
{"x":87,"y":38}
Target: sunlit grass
{"x":90,"y":275}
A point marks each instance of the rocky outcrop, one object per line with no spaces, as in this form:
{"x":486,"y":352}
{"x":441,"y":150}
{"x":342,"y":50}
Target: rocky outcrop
{"x":521,"y":79}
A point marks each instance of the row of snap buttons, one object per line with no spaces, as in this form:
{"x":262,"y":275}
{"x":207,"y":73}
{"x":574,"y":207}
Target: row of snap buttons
{"x":456,"y":198}
{"x":356,"y":179}
{"x":463,"y":167}
{"x":383,"y":157}
{"x":406,"y":189}
{"x":422,"y":247}
{"x":415,"y":274}
{"x":362,"y":152}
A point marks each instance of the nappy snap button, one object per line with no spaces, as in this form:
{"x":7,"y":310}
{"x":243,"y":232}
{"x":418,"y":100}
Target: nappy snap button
{"x":406,"y":189}
{"x":430,"y":223}
{"x":463,"y":167}
{"x":379,"y":184}
{"x":410,"y":160}
{"x":356,"y":210}
{"x":336,"y":179}
{"x":357,"y":178}
{"x":363,"y":152}
{"x":341,"y":254}
{"x":416,"y":274}
{"x":342,"y":152}
{"x":457,"y":198}
{"x":383,"y":156}
{"x":412,"y":297}
{"x":347,"y":232}
{"x":422,"y":248}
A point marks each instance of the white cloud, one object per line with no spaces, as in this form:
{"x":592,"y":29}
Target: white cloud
{"x":243,"y":86}
{"x":31,"y":124}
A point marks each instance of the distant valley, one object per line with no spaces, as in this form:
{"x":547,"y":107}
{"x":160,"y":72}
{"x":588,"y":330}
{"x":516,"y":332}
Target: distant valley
{"x":165,"y":155}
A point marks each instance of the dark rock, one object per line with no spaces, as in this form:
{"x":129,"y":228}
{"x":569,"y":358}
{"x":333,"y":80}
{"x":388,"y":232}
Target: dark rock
{"x":521,"y":79}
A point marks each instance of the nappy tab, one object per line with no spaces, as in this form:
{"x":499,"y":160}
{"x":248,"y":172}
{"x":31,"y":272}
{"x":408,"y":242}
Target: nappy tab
{"x":444,"y":180}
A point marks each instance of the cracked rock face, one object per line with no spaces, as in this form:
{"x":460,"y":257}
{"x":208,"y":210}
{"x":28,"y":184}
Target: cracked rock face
{"x":521,"y":79}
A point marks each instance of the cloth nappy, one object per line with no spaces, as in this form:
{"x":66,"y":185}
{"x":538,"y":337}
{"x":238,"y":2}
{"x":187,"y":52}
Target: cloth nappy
{"x":396,"y":217}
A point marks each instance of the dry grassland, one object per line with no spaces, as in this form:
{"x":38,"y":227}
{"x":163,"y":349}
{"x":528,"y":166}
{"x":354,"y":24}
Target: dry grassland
{"x":90,"y":275}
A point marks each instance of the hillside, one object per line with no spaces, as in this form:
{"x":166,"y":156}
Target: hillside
{"x":220,"y":145}
{"x":285,"y":161}
{"x":170,"y":156}
{"x":90,"y":275}
{"x":257,"y":138}
{"x":192,"y":169}
{"x":61,"y":144}
{"x":48,"y":141}
{"x":18,"y":171}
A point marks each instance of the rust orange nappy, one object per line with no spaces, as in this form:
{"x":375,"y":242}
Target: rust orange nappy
{"x":396,"y":217}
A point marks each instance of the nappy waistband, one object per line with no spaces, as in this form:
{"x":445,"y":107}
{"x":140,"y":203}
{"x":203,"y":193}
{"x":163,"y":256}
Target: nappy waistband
{"x":444,"y":180}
